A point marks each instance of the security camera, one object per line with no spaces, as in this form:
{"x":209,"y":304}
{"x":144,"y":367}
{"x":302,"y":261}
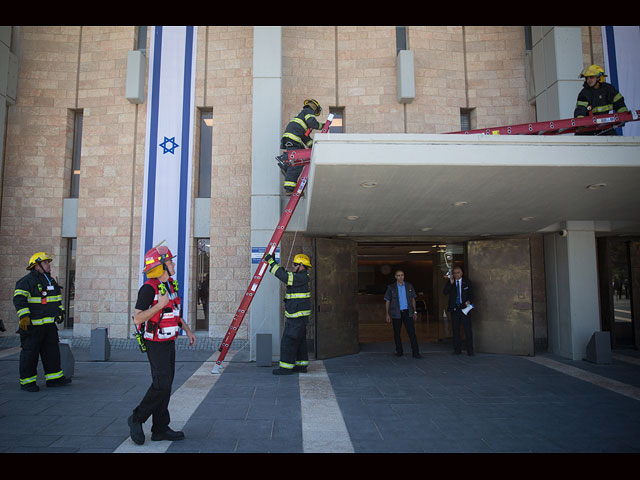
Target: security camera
{"x":562,"y":233}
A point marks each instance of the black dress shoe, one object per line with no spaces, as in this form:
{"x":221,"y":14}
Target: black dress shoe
{"x":135,"y":430}
{"x":399,"y":354}
{"x":168,"y":434}
{"x":417,"y":355}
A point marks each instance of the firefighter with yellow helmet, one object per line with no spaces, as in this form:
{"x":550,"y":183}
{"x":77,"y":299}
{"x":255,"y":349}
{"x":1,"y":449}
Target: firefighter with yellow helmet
{"x":38,"y":302}
{"x":598,"y":97}
{"x":294,"y":356}
{"x":297,"y":136}
{"x":157,"y":313}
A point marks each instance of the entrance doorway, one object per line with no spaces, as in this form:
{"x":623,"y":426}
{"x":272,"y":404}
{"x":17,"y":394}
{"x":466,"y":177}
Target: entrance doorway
{"x":619,"y":263}
{"x":425,"y":265}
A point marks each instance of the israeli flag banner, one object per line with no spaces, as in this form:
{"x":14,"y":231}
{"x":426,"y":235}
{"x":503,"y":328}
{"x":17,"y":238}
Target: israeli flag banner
{"x":166,"y":205}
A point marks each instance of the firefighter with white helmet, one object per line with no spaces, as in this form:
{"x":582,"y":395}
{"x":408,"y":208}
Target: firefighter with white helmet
{"x":297,"y":136}
{"x":294,"y":356}
{"x":157,"y":314}
{"x":598,"y":97}
{"x":38,"y":302}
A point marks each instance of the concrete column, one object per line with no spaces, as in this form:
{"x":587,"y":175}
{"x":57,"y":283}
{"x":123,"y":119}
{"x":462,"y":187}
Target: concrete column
{"x":573,"y":308}
{"x":557,"y":62}
{"x":264,"y":313}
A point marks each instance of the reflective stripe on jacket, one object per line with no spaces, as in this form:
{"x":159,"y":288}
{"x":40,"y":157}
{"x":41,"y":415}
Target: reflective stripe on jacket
{"x":297,"y":299}
{"x":296,"y":129}
{"x":598,"y":101}
{"x":39,"y":297}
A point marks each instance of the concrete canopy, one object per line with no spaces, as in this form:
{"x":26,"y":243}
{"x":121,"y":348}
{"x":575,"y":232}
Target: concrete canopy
{"x":411,"y":185}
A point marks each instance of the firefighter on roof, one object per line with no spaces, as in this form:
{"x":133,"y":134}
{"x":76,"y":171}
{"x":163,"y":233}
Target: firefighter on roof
{"x":598,"y":97}
{"x":294,"y":356}
{"x":38,"y":302}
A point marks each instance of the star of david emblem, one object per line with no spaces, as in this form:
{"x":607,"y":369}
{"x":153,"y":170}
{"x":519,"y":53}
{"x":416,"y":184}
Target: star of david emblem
{"x":169,"y":145}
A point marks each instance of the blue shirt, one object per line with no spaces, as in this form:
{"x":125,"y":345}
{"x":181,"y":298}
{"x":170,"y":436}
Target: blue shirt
{"x":402,"y":297}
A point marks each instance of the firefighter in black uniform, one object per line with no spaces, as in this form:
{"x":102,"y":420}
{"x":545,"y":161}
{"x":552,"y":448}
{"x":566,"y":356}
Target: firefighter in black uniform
{"x":294,"y":356}
{"x":38,"y":302}
{"x":597,"y":98}
{"x":297,"y":136}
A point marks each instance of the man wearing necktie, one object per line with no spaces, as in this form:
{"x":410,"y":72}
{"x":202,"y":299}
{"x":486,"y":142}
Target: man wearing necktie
{"x":460,"y":294}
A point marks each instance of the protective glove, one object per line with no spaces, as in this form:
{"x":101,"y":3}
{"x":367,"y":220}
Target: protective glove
{"x":25,"y":322}
{"x":269,"y":258}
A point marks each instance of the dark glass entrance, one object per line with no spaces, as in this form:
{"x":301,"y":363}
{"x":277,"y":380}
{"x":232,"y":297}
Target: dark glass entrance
{"x":618,"y":260}
{"x":424,"y":265}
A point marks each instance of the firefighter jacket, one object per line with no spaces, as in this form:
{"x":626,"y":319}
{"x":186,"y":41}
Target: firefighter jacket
{"x":298,"y":130}
{"x":39,"y":297}
{"x":297,"y":298}
{"x":598,"y":101}
{"x":164,"y":325}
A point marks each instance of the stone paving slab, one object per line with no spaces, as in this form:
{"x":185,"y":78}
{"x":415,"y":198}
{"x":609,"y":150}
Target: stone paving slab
{"x":371,"y":402}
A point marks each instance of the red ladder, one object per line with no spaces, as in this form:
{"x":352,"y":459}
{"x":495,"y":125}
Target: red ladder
{"x":295,"y":157}
{"x":555,"y":127}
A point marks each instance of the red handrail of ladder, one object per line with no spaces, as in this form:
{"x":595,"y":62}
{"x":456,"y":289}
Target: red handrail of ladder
{"x":563,"y":126}
{"x":301,"y":157}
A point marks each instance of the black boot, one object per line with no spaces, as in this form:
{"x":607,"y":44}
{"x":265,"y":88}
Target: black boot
{"x":283,"y":371}
{"x":30,"y":387}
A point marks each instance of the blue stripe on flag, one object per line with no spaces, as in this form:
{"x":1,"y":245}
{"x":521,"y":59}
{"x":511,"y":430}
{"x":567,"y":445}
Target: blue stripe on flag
{"x":611,"y":52}
{"x":184,"y":168}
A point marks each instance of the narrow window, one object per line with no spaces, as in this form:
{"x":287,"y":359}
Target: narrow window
{"x":337,"y":124}
{"x":465,"y":118}
{"x":141,"y":39}
{"x":202,"y":290}
{"x":76,"y":153}
{"x":401,"y":39}
{"x":204,"y":169}
{"x":70,"y":284}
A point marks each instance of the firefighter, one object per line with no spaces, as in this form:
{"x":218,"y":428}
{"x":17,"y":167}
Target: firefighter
{"x":157,"y":313}
{"x":294,"y":356}
{"x":38,"y":302}
{"x":296,"y":136}
{"x":598,"y":97}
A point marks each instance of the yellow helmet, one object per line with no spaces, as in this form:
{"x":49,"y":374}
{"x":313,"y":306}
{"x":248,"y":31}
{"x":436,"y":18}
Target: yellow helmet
{"x":315,"y":106}
{"x":594,"y":71}
{"x":37,"y":258}
{"x":303,"y":259}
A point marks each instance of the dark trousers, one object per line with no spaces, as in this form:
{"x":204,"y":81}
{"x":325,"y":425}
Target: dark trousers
{"x":293,"y":172}
{"x":409,"y":327}
{"x":293,"y":346}
{"x":39,"y":341}
{"x":162,"y":358}
{"x":458,"y":317}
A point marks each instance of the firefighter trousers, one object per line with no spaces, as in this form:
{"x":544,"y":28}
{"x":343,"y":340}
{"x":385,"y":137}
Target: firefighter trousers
{"x":293,"y":172}
{"x":162,"y":358}
{"x":40,"y":341}
{"x":293,"y":347}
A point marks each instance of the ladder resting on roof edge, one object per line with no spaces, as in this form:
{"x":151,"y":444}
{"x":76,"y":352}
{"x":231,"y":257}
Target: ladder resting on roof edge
{"x":568,"y":125}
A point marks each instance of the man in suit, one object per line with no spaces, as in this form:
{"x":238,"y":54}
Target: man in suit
{"x":460,"y":294}
{"x":400,"y":304}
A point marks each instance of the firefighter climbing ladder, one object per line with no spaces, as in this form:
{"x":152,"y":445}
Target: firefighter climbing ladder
{"x":569,"y":125}
{"x":295,"y":157}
